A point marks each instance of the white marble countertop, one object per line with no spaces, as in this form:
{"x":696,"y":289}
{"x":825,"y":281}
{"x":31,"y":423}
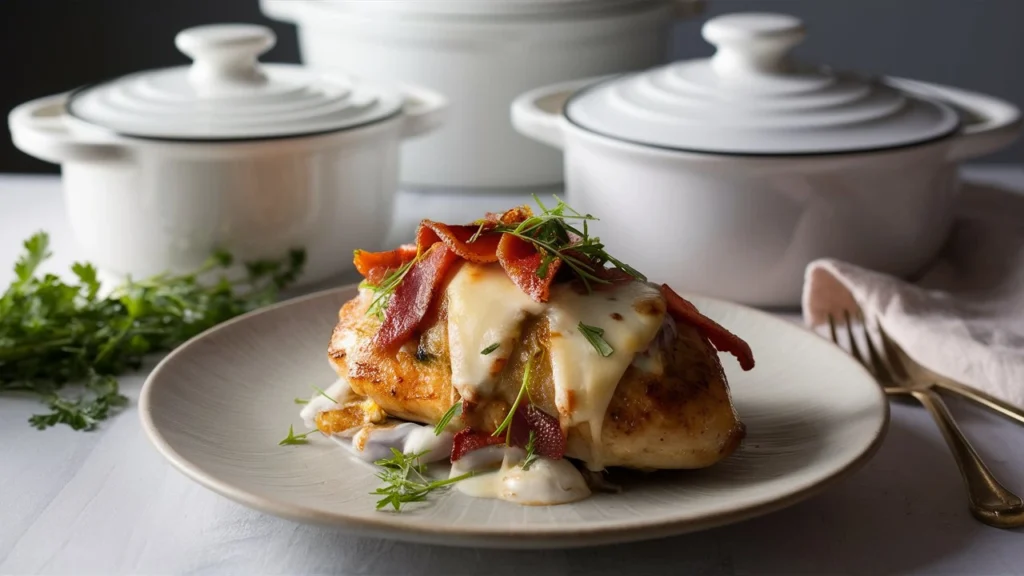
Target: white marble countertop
{"x":106,"y":503}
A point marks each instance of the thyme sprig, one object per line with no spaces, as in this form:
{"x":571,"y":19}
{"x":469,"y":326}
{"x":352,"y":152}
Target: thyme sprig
{"x":524,"y":390}
{"x":531,"y":454}
{"x":294,"y":439}
{"x":561,"y":233}
{"x":595,"y":336}
{"x":452,"y":412}
{"x":405,"y":480}
{"x":382,"y":292}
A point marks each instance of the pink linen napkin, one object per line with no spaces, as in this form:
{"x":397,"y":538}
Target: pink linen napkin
{"x":964,"y":316}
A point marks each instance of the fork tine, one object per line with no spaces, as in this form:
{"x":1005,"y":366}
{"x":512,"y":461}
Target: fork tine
{"x":880,"y":363}
{"x":893,"y":351}
{"x":832,"y":328}
{"x":854,"y":348}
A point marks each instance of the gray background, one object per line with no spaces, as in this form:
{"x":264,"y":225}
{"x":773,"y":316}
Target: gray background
{"x":49,"y":46}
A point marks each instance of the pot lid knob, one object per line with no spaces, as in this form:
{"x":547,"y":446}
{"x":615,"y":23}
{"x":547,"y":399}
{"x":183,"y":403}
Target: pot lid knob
{"x":752,"y":43}
{"x":224,"y":56}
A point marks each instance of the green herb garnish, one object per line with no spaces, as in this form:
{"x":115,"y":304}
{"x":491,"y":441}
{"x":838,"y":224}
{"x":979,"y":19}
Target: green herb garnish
{"x":557,"y":239}
{"x":531,"y":455}
{"x":382,"y":292}
{"x":55,"y":333}
{"x":324,"y":394}
{"x":506,"y":424}
{"x":294,"y":439}
{"x":405,"y":480}
{"x":595,"y":336}
{"x":82,"y":413}
{"x":300,"y":401}
{"x":490,"y":348}
{"x":452,"y":412}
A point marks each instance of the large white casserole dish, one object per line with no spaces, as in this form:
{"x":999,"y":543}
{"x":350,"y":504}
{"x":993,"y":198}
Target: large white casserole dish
{"x":162,"y":167}
{"x":481,"y":54}
{"x":733,"y":173}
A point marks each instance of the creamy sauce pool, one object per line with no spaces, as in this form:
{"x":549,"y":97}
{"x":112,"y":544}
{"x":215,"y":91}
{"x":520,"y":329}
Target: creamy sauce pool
{"x":499,"y":474}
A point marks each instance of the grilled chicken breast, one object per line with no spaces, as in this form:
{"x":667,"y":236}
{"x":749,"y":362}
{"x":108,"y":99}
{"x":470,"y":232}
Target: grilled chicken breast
{"x":658,"y":400}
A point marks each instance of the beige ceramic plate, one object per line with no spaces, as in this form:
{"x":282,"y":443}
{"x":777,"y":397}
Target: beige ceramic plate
{"x":217,"y":407}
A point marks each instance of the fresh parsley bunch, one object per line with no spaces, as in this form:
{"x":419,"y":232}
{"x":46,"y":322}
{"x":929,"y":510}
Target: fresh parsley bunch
{"x":54,"y":333}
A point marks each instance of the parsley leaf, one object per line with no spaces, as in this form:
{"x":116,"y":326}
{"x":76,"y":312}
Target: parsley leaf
{"x":490,"y":348}
{"x":55,"y":333}
{"x":37,"y":249}
{"x":595,"y":336}
{"x":87,"y":276}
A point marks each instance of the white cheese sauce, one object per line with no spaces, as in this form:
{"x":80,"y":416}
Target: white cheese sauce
{"x":373,"y":442}
{"x":500,"y":475}
{"x":485,"y":307}
{"x":340,"y":391}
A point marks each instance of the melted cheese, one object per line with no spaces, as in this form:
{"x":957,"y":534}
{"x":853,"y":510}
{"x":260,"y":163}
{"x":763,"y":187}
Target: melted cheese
{"x":584,"y":380}
{"x":485,"y":307}
{"x":482,"y":311}
{"x":546,"y":482}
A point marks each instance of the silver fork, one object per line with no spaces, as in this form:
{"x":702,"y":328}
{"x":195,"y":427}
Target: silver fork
{"x":989,"y":501}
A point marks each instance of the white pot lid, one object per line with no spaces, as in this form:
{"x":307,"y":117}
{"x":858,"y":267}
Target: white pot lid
{"x":750,"y":98}
{"x":478,"y":8}
{"x":227,"y":94}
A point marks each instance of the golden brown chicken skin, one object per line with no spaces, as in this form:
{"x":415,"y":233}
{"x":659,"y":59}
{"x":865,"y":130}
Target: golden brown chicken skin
{"x":678,"y":416}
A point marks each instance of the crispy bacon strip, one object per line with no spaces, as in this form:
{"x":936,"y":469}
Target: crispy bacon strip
{"x":467,"y":440}
{"x":521,"y":261}
{"x":518,"y":257}
{"x":371,"y":264}
{"x":412,"y":297}
{"x":684,"y":311}
{"x":457,"y":237}
{"x":549,"y":440}
{"x":483,"y":250}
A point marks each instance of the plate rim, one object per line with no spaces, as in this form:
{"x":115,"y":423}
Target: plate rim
{"x":537,"y":538}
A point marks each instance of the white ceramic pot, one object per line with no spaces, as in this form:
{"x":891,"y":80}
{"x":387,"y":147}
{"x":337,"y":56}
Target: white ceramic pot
{"x":727,"y":176}
{"x":161,"y":168}
{"x":481,"y":54}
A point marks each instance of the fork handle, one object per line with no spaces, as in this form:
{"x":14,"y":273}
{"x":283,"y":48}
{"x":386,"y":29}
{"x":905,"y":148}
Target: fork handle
{"x":982,"y":398}
{"x":990,"y":501}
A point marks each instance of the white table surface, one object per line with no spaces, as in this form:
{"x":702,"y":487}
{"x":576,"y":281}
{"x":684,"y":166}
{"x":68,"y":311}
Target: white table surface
{"x":106,"y":502}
